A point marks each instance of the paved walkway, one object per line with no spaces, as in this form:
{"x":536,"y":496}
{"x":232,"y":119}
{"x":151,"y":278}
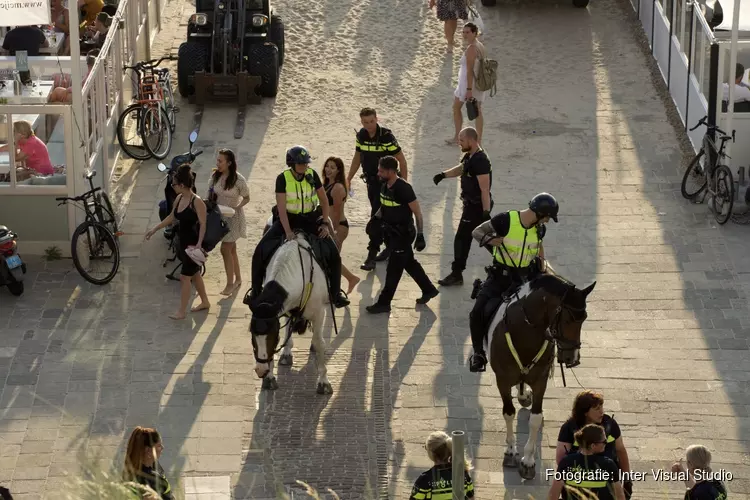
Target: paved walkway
{"x":577,"y":114}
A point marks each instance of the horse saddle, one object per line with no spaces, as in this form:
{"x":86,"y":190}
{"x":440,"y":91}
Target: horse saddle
{"x":320,"y":248}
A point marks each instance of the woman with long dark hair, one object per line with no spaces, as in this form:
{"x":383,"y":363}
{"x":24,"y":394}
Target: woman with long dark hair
{"x":142,"y":462}
{"x":229,"y":188}
{"x":334,"y":183}
{"x":190,"y":211}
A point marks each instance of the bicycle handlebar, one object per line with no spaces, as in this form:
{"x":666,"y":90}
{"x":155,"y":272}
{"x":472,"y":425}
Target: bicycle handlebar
{"x":710,"y":128}
{"x":64,"y":199}
{"x":153,"y":63}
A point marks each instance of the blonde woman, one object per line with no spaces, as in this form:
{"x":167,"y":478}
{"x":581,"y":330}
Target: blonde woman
{"x":438,"y":481}
{"x":700,"y":480}
{"x":30,"y":150}
{"x":142,"y":463}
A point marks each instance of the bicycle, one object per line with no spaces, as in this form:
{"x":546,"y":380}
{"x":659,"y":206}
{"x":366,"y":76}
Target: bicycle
{"x":98,"y":236}
{"x":152,"y":115}
{"x":714,"y":179}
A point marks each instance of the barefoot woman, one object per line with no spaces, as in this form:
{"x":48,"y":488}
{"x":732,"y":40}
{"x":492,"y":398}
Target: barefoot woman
{"x":334,"y":183}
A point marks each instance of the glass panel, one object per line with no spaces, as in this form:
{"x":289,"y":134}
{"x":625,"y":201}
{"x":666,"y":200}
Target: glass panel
{"x":39,"y":141}
{"x":5,"y":132}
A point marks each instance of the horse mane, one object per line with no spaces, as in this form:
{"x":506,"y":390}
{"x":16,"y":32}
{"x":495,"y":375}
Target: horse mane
{"x":281,"y":267}
{"x":553,"y":283}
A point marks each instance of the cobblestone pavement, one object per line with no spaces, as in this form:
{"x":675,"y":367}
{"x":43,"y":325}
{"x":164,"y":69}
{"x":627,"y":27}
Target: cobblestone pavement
{"x":668,"y":327}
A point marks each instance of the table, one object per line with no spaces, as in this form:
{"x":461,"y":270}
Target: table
{"x":55,"y":41}
{"x":37,"y":93}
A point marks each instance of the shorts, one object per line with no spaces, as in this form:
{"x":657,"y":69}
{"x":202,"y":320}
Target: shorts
{"x":452,"y":9}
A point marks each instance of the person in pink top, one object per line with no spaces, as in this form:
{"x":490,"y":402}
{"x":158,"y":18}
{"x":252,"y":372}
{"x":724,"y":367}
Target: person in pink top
{"x":31,"y":150}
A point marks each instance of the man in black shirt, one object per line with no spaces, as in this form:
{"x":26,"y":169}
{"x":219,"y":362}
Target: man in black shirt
{"x":28,"y":38}
{"x":373,"y":142}
{"x":475,"y":171}
{"x":395,"y":220}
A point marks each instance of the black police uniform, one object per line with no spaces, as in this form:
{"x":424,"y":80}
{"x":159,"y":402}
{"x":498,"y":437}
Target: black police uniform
{"x":473,"y":213}
{"x":396,"y":224}
{"x":599,"y":474}
{"x":275,"y":235}
{"x":707,"y":490}
{"x":371,"y":150}
{"x":499,"y":280}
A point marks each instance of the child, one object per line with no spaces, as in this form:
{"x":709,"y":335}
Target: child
{"x":437,"y":482}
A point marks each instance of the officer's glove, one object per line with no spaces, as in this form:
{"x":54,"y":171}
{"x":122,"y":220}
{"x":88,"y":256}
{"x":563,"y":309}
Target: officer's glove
{"x":419,"y":244}
{"x":486,"y":216}
{"x":439,"y":177}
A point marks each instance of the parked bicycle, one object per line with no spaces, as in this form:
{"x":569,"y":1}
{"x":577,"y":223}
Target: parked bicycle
{"x":95,"y":240}
{"x":145,"y":128}
{"x":711,"y":176}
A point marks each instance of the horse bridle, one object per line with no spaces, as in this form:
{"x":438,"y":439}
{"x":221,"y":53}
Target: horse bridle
{"x":553,"y":331}
{"x":294,"y":312}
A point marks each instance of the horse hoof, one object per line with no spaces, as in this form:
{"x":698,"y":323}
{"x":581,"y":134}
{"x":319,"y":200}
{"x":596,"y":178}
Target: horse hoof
{"x":527,"y":472}
{"x":524,"y":401}
{"x":269,"y":384}
{"x":510,"y":461}
{"x":324,"y":388}
{"x":286,"y":359}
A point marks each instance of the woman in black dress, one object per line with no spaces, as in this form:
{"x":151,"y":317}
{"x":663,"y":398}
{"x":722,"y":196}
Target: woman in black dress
{"x":190,"y":211}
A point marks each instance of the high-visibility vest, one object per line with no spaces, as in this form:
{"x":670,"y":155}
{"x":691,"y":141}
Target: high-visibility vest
{"x":301,"y":196}
{"x":520,"y":246}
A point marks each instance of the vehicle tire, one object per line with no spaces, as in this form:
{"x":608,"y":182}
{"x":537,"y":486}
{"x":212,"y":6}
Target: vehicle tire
{"x":581,"y":4}
{"x":126,"y":121}
{"x":191,"y":57}
{"x":163,"y":136}
{"x":277,"y":36}
{"x":263,"y":61}
{"x":96,"y":238}
{"x":724,"y":196}
{"x":489,"y":3}
{"x":16,"y":288}
{"x":696,"y":174}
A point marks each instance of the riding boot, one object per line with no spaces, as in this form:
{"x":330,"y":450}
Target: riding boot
{"x":334,"y":275}
{"x":478,"y":329}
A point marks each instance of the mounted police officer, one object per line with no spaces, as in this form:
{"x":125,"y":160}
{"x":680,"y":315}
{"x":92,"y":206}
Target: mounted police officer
{"x":301,"y":204}
{"x":518,"y":255}
{"x":374,"y":142}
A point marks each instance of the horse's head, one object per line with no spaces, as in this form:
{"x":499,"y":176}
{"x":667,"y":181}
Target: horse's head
{"x":567,"y":318}
{"x":265,"y":326}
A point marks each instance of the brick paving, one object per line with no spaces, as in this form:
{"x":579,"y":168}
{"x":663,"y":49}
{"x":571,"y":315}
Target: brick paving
{"x":668,"y":328}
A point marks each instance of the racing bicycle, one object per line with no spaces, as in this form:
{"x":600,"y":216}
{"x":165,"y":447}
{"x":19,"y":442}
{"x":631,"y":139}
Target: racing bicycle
{"x":707,"y":175}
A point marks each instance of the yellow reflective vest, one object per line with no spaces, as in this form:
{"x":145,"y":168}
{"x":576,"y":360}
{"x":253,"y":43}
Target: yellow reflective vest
{"x":520,"y":246}
{"x":301,"y":197}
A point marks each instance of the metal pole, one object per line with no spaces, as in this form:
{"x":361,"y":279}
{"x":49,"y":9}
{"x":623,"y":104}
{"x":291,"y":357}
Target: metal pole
{"x":690,"y":65}
{"x":713,"y":83}
{"x":457,"y":461}
{"x":732,"y":65}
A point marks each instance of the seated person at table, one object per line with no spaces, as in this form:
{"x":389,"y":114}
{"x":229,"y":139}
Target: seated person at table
{"x":31,"y":151}
{"x":89,"y":11}
{"x":741,"y":91}
{"x":28,"y":38}
{"x":98,"y":32}
{"x":65,"y":94}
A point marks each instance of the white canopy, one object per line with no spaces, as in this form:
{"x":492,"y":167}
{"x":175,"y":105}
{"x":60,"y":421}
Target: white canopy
{"x":727,"y":7}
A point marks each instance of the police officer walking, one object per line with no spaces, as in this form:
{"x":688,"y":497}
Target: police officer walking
{"x":395,"y":221}
{"x":518,"y":254}
{"x":373,"y":142}
{"x":475,"y":172}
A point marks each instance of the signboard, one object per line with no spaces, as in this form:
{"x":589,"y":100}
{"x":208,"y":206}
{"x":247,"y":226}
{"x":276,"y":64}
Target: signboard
{"x":25,"y":12}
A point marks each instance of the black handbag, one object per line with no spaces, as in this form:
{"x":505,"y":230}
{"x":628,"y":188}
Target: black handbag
{"x":472,"y":109}
{"x":216,"y":227}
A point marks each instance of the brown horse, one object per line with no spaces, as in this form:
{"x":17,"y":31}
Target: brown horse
{"x":541,"y":315}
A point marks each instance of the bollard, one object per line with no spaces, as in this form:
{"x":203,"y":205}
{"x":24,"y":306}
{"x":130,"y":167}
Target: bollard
{"x":458,"y":465}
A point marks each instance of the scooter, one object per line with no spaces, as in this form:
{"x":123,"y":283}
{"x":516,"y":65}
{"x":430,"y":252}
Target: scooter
{"x":12,"y":268}
{"x":166,"y":205}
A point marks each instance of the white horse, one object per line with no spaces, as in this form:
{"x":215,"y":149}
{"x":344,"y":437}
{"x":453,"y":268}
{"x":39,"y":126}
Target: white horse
{"x":296,"y":290}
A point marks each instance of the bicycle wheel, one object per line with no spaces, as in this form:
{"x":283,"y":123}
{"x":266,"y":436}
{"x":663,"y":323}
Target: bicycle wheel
{"x":128,"y":133}
{"x":95,"y":252}
{"x":156,"y":132}
{"x":724,"y":195}
{"x":105,"y":213}
{"x":169,"y":104}
{"x":695,"y":175}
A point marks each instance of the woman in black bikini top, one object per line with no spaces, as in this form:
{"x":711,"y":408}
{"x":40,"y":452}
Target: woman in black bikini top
{"x":334,"y":183}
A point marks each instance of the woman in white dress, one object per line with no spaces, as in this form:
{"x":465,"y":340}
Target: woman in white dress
{"x":230,"y":189}
{"x":465,"y":91}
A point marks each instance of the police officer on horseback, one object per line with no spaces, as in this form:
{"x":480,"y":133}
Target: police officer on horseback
{"x":518,"y":255}
{"x":301,"y":204}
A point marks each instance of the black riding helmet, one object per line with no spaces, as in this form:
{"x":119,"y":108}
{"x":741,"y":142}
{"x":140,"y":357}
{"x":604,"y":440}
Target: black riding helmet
{"x":544,"y":205}
{"x":297,"y":155}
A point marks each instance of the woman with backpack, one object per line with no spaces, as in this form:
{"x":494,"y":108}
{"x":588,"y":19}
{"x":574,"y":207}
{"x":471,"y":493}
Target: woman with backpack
{"x":465,"y":92}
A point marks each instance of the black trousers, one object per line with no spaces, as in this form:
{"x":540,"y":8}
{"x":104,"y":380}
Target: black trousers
{"x":479,"y":318}
{"x":273,"y":239}
{"x":373,"y":194}
{"x":399,"y":241}
{"x":471,"y":217}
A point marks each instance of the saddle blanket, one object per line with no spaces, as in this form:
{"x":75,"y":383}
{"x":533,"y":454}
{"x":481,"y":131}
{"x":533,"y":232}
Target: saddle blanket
{"x":518,"y":294}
